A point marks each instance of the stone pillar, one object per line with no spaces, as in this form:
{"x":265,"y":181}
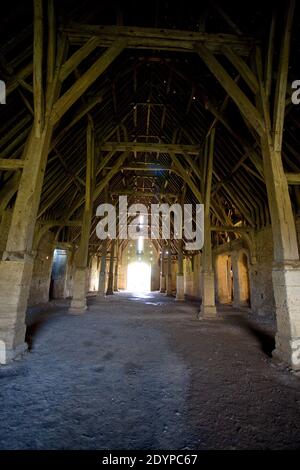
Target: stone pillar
{"x":286,"y":266}
{"x":180,"y":276}
{"x":102,"y":274}
{"x":286,"y":283}
{"x":78,"y":301}
{"x":110,"y":285}
{"x":15,"y":277}
{"x":116,"y":267}
{"x":162,"y":272}
{"x":169,"y":271}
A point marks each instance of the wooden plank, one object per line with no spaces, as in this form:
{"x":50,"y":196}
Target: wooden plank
{"x":85,"y":81}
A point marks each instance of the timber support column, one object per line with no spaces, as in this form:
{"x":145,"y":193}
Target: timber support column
{"x":78,"y":302}
{"x":169,"y":271}
{"x":17,"y":262}
{"x":162,"y":272}
{"x":116,"y":271}
{"x":208,"y":307}
{"x":180,"y":276}
{"x":110,"y":286}
{"x":102,"y":274}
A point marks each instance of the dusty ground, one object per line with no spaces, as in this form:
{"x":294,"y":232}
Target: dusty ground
{"x":143,"y":373}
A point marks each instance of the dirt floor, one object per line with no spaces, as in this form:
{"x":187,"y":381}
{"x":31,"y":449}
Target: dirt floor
{"x":141,"y":372}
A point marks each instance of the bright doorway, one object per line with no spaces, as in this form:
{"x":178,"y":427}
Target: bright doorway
{"x":139,"y":277}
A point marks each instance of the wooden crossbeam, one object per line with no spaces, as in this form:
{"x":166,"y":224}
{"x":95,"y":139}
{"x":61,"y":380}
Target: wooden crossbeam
{"x":230,"y":228}
{"x":156,"y":38}
{"x":293,"y":178}
{"x":11,"y":164}
{"x":150,"y":147}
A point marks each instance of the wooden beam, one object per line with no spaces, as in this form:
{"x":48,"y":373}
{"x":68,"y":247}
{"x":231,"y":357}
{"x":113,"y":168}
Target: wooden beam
{"x":11,"y":164}
{"x":279,"y":106}
{"x":70,"y":65}
{"x":184,"y":175}
{"x":230,"y":228}
{"x":150,"y":147}
{"x":243,"y":69}
{"x":38,"y":95}
{"x":293,"y":178}
{"x":83,"y":83}
{"x":157,"y":38}
{"x":245,"y":106}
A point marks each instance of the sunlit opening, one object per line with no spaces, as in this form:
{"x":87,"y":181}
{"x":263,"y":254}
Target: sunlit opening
{"x":140,"y":246}
{"x":139,"y":277}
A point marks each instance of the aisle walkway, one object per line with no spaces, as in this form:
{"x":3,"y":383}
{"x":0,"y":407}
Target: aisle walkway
{"x":142,"y":373}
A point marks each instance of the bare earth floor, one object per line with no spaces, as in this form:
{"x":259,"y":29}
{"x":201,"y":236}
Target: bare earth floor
{"x":143,"y":373}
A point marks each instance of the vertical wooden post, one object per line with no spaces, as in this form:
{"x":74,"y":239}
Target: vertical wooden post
{"x":162,"y":271}
{"x":102,"y":274}
{"x":110,"y":286}
{"x":208,"y":306}
{"x":180,"y":276}
{"x":79,"y":287}
{"x":116,"y":267}
{"x":169,"y":270}
{"x":17,"y":261}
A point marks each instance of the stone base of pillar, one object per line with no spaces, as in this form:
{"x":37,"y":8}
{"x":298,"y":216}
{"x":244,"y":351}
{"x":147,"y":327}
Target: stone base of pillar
{"x":162,"y":283}
{"x":208,"y":312}
{"x":109,"y":292}
{"x":286,"y":284}
{"x":78,"y":302}
{"x":208,"y":308}
{"x":9,"y":355}
{"x":15,"y":279}
{"x":180,"y":287}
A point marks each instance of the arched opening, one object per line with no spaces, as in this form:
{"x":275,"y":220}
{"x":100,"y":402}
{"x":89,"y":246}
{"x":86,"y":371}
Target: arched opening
{"x":244,"y":284}
{"x":58,"y":274}
{"x":139,"y":277}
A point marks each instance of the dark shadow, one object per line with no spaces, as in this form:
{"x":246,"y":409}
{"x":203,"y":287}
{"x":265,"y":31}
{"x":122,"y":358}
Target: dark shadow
{"x":266,"y":339}
{"x":32,"y":330}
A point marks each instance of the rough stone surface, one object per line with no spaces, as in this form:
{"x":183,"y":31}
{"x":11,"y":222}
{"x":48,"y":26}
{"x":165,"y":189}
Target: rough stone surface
{"x":144,"y":373}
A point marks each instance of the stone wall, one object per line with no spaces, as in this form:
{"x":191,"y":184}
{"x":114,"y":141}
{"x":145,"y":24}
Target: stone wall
{"x":40,"y":284}
{"x":260,"y":262}
{"x":192,"y":276}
